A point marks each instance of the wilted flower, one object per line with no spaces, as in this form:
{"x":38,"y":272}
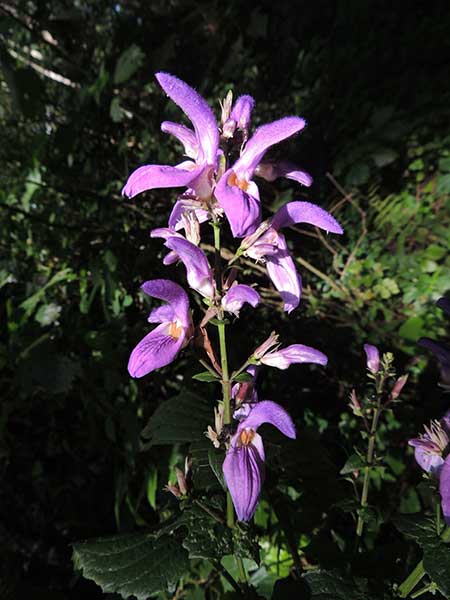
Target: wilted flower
{"x":214,"y":434}
{"x":243,"y":467}
{"x":373,"y":358}
{"x":431,"y":451}
{"x":183,"y":486}
{"x":160,"y":347}
{"x":269,"y":244}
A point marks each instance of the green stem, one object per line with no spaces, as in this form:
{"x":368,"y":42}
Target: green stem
{"x":368,"y":467}
{"x":226,"y":386}
{"x":412,"y":580}
{"x":226,"y":383}
{"x":431,"y":587}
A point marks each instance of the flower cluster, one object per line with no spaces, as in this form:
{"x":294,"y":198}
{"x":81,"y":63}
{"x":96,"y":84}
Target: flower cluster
{"x":218,"y":177}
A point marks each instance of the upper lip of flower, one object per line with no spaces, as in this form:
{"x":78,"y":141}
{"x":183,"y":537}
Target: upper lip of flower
{"x":201,"y":145}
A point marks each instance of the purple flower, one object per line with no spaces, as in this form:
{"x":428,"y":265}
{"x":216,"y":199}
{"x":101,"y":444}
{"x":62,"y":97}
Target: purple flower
{"x":296,"y":353}
{"x":198,"y":271}
{"x":237,"y":295}
{"x":243,"y":466}
{"x":431,"y":453}
{"x":239,"y":117}
{"x":373,"y":358}
{"x":236,"y":193}
{"x":273,"y":170}
{"x":162,"y":344}
{"x":269,"y":244}
{"x":200,"y":145}
{"x":439,"y":349}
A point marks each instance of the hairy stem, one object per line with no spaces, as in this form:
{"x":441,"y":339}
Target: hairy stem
{"x":226,"y":383}
{"x":369,"y":465}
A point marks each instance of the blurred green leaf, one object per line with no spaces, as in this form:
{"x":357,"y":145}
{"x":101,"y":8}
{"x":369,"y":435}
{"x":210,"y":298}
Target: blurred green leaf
{"x":129,"y":62}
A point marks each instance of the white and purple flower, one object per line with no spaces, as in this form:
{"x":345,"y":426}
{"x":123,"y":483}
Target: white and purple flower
{"x":431,"y":451}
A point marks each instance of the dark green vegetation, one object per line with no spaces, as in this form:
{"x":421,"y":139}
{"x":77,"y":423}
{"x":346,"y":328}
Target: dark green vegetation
{"x":372,"y":81}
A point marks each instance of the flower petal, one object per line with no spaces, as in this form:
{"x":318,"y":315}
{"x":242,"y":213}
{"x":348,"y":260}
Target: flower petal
{"x":242,"y":110}
{"x":183,"y":134}
{"x":283,"y":274}
{"x":267,"y":411}
{"x":273,"y":170}
{"x":296,"y":353}
{"x":162,"y":314}
{"x":430,"y":463}
{"x":198,"y":111}
{"x":237,"y":295}
{"x":198,"y":271}
{"x":263,"y":138}
{"x":179,"y":208}
{"x":156,"y":350}
{"x":242,"y":208}
{"x":150,"y":177}
{"x":444,"y":489}
{"x":243,"y":469}
{"x":305,"y":212}
{"x":170,"y":292}
{"x":373,"y":358}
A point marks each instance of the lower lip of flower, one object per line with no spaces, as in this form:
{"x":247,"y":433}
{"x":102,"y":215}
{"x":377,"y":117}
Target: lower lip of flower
{"x":175,"y":330}
{"x":246,"y":437}
{"x":240,"y":183}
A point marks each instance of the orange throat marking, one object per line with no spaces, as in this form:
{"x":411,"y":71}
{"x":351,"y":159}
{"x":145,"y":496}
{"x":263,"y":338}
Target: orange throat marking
{"x":240,"y":183}
{"x":175,"y":330}
{"x":246,"y":437}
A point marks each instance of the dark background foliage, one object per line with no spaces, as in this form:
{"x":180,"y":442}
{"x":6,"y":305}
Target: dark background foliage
{"x":79,"y":110}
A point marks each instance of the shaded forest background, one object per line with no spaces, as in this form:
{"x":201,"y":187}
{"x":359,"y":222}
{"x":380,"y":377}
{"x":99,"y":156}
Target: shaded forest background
{"x":79,"y":110}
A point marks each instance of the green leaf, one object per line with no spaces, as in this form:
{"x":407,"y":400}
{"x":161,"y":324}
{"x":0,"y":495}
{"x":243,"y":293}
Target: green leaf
{"x":436,"y":553}
{"x":216,"y":458}
{"x":384,"y":156}
{"x":331,"y":585}
{"x":205,"y":376}
{"x":116,"y":112}
{"x":353,"y":463}
{"x":30,"y":303}
{"x":206,"y":538}
{"x":152,"y":486}
{"x":135,"y":564}
{"x":443,"y":184}
{"x":218,"y":321}
{"x":243,"y":378}
{"x":128,"y":63}
{"x":205,"y":477}
{"x":412,"y":329}
{"x":179,"y":420}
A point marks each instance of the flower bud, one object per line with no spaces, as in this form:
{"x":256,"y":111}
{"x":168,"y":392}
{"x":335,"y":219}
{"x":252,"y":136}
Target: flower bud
{"x":373,"y":358}
{"x":398,"y":386}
